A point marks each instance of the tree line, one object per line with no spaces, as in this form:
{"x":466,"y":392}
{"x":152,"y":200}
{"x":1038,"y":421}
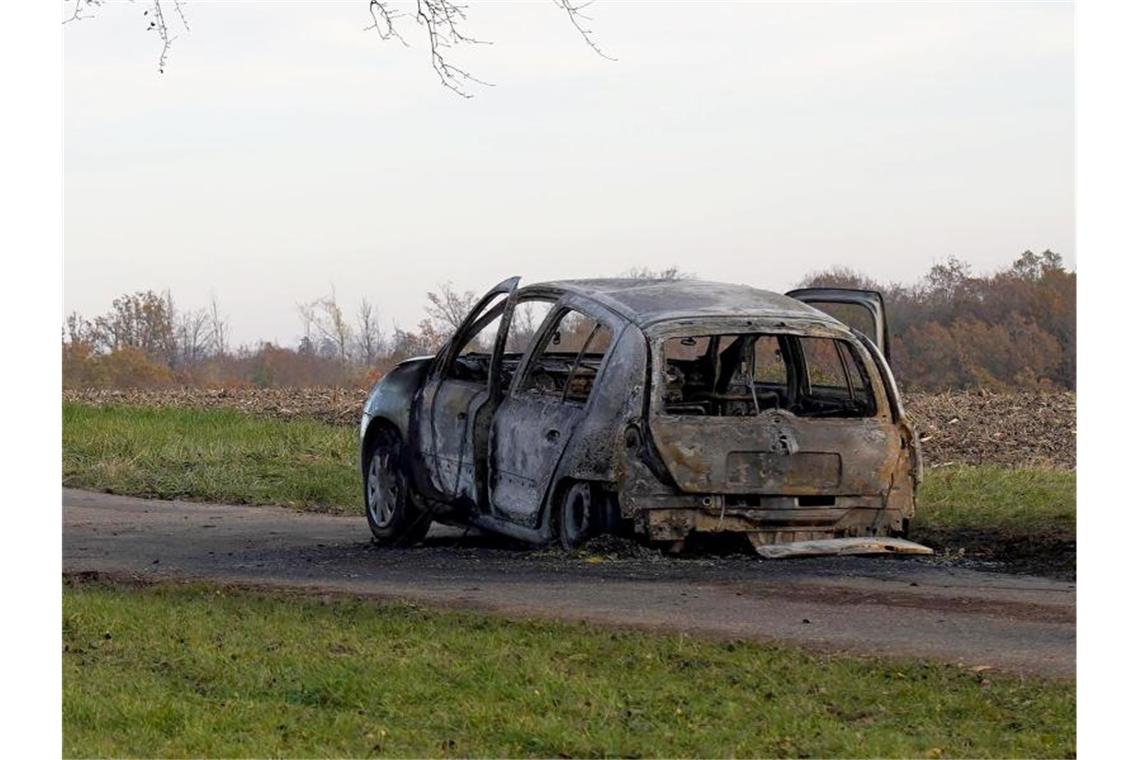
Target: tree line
{"x":1011,"y":329}
{"x":146,"y":341}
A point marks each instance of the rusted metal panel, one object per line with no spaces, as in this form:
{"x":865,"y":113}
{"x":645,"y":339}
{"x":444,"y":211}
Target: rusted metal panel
{"x":776,"y":452}
{"x":765,"y":471}
{"x":849,"y":517}
{"x":840,"y":546}
{"x":528,"y":437}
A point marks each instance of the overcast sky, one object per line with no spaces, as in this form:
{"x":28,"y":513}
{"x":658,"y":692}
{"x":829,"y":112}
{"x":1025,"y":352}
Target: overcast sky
{"x":286,"y":151}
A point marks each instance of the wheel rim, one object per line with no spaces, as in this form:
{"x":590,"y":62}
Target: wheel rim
{"x":576,"y":514}
{"x":383,"y":489}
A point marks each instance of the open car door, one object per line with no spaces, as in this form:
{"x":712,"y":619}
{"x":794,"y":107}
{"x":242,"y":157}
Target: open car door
{"x":862,"y":310}
{"x":463,"y":388}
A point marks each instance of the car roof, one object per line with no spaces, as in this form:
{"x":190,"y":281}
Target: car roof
{"x":645,"y":302}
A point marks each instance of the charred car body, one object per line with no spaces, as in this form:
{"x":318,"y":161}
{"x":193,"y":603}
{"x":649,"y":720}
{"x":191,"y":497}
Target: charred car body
{"x":662,"y":408}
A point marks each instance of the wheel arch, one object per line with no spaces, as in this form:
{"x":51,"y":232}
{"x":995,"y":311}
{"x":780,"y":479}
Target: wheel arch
{"x":601,"y":492}
{"x":376,"y":428}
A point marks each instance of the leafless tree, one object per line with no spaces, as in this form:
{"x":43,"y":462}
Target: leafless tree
{"x":421,"y":342}
{"x":448,"y":308}
{"x":334,"y":333}
{"x":369,"y":342}
{"x":645,"y":273}
{"x":219,"y":338}
{"x":192,"y":337}
{"x":80,"y":330}
{"x":524,"y":324}
{"x":443,"y":24}
{"x":155,"y":14}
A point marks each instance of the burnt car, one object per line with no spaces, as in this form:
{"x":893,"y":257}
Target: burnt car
{"x":659,"y":408}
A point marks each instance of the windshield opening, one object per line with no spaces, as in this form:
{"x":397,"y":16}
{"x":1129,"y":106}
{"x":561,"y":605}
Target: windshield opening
{"x":735,"y":375}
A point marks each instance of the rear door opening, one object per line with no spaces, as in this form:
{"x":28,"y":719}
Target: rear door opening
{"x":771,"y":409}
{"x":742,"y":374}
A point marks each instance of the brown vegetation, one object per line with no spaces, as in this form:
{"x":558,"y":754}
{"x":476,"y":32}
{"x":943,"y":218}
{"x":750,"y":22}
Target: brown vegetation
{"x":1012,"y":330}
{"x":1020,"y":429}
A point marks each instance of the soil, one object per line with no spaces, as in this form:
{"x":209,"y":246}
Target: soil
{"x":1049,"y":554}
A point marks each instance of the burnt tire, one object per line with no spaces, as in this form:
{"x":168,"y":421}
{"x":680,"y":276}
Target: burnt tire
{"x":393,"y":516}
{"x":574,"y":518}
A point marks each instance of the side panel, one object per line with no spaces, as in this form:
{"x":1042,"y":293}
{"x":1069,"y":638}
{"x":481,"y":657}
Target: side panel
{"x":912,"y":468}
{"x":533,"y":434}
{"x":447,"y":435}
{"x":597,"y":449}
{"x":529,"y":435}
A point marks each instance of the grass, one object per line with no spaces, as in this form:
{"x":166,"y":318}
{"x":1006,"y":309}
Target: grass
{"x":206,"y":671}
{"x":217,"y":455}
{"x":1015,"y":500}
{"x":1024,"y":518}
{"x":231,"y":457}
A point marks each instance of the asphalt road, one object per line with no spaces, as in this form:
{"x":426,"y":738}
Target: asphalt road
{"x":890,"y":605}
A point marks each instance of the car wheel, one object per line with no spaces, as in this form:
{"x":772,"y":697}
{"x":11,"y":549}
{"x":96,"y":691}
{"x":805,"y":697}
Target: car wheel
{"x":574,"y":517}
{"x":392,"y":515}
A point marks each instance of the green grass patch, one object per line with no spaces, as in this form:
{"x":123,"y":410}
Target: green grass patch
{"x":203,"y":671}
{"x":210,"y":454}
{"x":233,"y":457}
{"x":1019,"y":501}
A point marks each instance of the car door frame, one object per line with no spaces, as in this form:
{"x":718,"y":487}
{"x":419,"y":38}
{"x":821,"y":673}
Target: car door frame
{"x":871,"y":300}
{"x":519,"y":405}
{"x":427,"y":409}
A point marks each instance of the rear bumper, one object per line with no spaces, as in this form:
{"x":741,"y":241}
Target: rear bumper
{"x":765,"y":519}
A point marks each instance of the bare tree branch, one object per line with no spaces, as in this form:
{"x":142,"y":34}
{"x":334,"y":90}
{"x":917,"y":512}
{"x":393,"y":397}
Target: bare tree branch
{"x":191,"y":336}
{"x":574,"y":12}
{"x":219,"y":329}
{"x":156,"y":21}
{"x":369,"y":342}
{"x":81,"y":5}
{"x":443,"y":22}
{"x":158,"y":25}
{"x":448,"y":308}
{"x":325,"y":315}
{"x":384,"y":21}
{"x":646,"y":273}
{"x":181,"y":14}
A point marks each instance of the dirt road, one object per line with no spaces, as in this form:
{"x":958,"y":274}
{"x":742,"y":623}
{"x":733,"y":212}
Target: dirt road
{"x":864,"y":605}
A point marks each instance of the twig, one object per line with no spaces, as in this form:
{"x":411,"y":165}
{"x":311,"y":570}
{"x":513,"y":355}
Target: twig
{"x":574,"y":13}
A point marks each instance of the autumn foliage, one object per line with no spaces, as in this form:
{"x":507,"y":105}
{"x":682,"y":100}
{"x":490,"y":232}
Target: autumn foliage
{"x":1013,"y":329}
